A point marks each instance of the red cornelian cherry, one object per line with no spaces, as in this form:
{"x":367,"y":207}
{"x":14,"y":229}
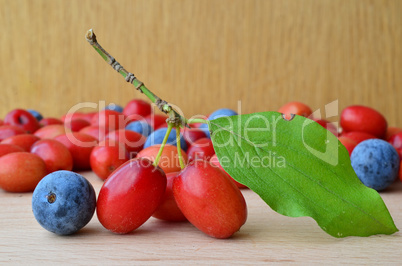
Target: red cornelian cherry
{"x":133,"y":141}
{"x":7,"y":131}
{"x":130,"y":195}
{"x":55,"y":155}
{"x":209,"y":199}
{"x":107,"y":157}
{"x":22,"y":119}
{"x":396,"y":142}
{"x":296,"y":108}
{"x":192,"y":134}
{"x":137,"y":108}
{"x":21,"y":171}
{"x":364,"y":119}
{"x":80,"y":146}
{"x":201,"y":149}
{"x":327,"y":125}
{"x":400,"y":171}
{"x":168,"y":209}
{"x":156,"y":120}
{"x":9,"y":148}
{"x":76,"y":124}
{"x":50,"y":121}
{"x":25,"y":141}
{"x":349,"y":143}
{"x":358,"y":136}
{"x":109,"y":119}
{"x":392,"y":131}
{"x":169,"y":160}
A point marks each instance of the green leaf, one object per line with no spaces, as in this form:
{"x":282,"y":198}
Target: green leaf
{"x":299,"y":169}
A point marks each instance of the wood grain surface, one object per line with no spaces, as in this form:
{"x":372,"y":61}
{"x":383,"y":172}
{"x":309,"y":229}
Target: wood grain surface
{"x":267,"y":237}
{"x":203,"y":55}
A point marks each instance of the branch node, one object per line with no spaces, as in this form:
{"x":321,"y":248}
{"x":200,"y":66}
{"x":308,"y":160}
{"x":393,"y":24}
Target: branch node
{"x":91,"y":37}
{"x":138,"y":87}
{"x":161,"y":104}
{"x":116,"y":65}
{"x":176,"y":121}
{"x":130,"y":77}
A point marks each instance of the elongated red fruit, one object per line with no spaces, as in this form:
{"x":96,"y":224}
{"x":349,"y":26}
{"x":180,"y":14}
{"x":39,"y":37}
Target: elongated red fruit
{"x":130,"y":195}
{"x":209,"y":199}
{"x":364,"y":119}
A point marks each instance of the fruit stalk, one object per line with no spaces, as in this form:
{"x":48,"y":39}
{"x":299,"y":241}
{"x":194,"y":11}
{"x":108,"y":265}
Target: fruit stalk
{"x":129,"y":77}
{"x":158,"y":156}
{"x":196,"y":120}
{"x":175,"y":120}
{"x":179,"y":149}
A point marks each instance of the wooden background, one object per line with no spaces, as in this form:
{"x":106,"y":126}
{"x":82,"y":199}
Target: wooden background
{"x":203,"y":55}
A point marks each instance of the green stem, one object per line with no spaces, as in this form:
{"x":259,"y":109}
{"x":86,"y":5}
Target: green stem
{"x":182,"y":165}
{"x":158,"y":156}
{"x":196,"y":120}
{"x":129,"y":77}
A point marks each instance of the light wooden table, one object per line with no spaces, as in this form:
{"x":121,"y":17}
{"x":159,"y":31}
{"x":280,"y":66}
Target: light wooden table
{"x":267,"y":237}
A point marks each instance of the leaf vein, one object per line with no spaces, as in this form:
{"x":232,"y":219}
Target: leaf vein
{"x":304,"y":174}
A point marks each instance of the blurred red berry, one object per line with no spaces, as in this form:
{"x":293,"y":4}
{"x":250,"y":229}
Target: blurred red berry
{"x":201,"y":149}
{"x":358,"y":136}
{"x":137,"y":108}
{"x":9,"y":148}
{"x":76,"y":124}
{"x":364,"y":119}
{"x":50,"y":121}
{"x":7,"y":131}
{"x":25,"y":141}
{"x":349,"y":143}
{"x":55,"y":155}
{"x":296,"y":108}
{"x":80,"y":146}
{"x":22,"y":119}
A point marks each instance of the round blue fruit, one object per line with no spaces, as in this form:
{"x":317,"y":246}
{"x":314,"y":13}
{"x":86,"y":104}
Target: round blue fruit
{"x":158,"y":135}
{"x":141,"y":127}
{"x":114,"y":107}
{"x":63,"y":202}
{"x":376,"y":163}
{"x":222,"y":112}
{"x":35,"y":114}
{"x":217,"y":114}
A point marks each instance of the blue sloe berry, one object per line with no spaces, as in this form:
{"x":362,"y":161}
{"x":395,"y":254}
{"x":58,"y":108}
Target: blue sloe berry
{"x":376,"y":163}
{"x":63,"y":202}
{"x":141,"y":127}
{"x":157,"y":136}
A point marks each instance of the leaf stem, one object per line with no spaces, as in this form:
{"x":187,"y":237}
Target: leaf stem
{"x":158,"y":156}
{"x":179,"y":148}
